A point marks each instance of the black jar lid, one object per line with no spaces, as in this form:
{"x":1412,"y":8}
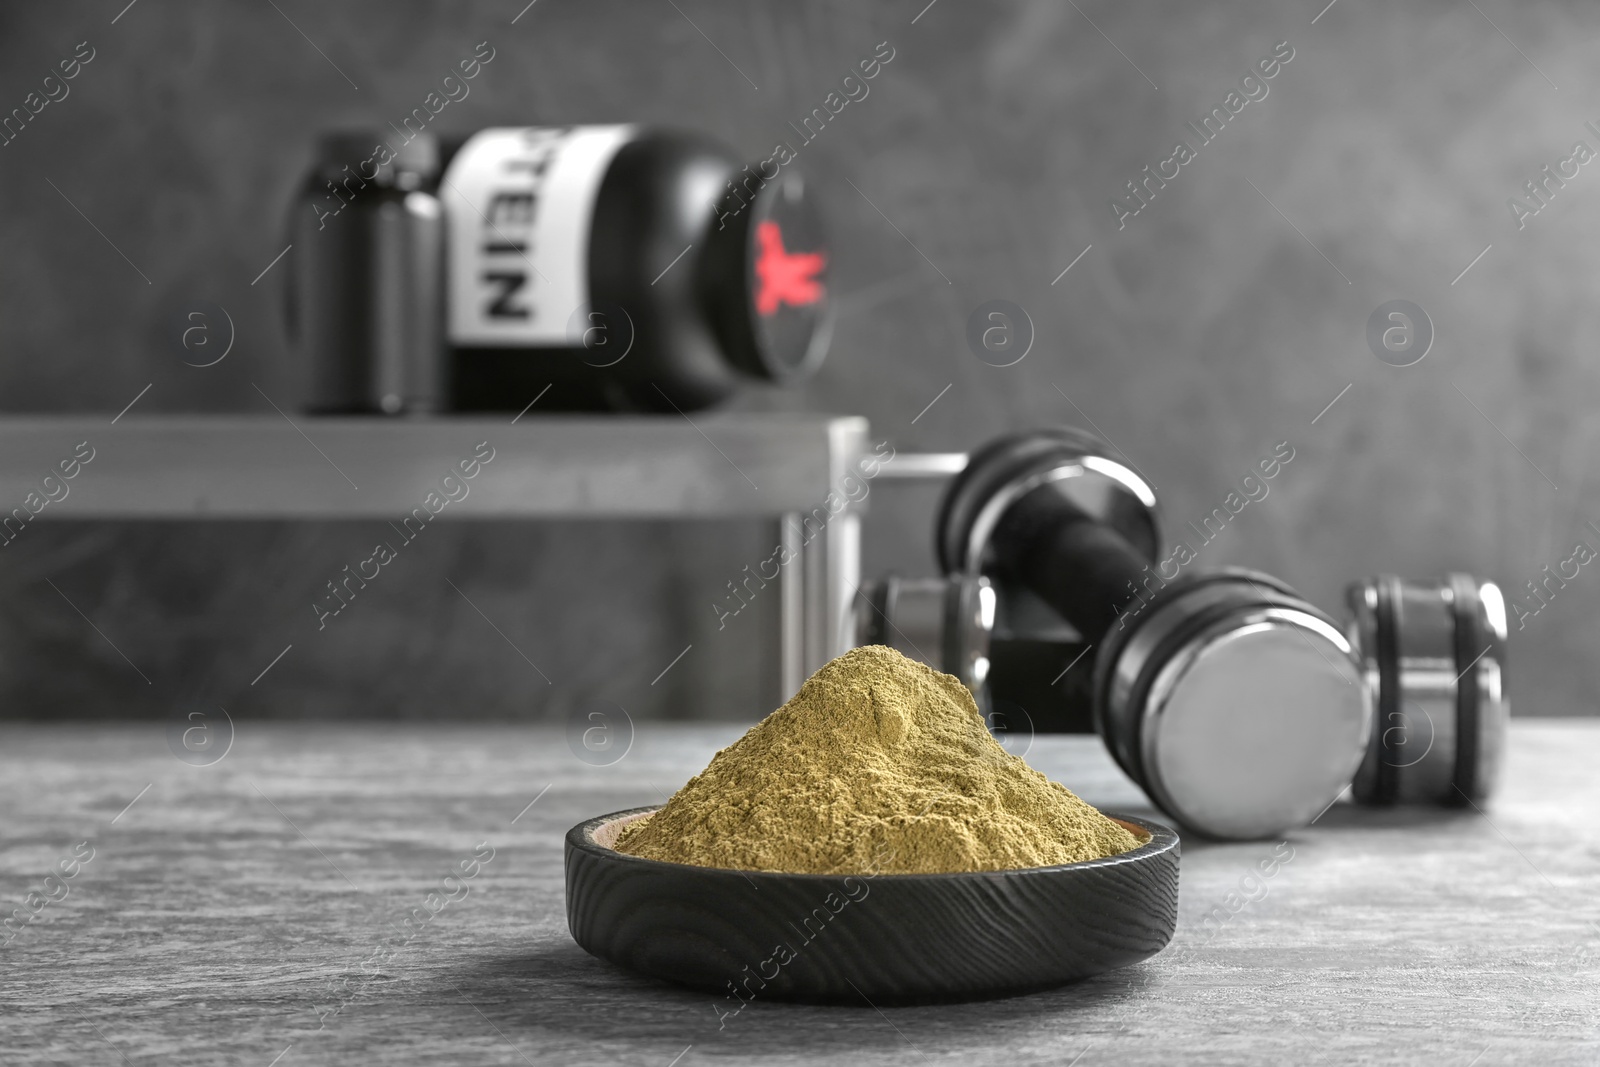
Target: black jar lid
{"x":767,"y":279}
{"x":376,"y":155}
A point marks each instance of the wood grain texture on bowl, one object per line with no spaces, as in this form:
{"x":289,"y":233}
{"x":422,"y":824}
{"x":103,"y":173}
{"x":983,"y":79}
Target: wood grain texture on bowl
{"x":883,"y":938}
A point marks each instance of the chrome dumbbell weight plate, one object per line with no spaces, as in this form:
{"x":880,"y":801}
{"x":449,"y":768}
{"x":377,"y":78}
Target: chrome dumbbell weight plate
{"x":1235,"y":703}
{"x":1434,"y":653}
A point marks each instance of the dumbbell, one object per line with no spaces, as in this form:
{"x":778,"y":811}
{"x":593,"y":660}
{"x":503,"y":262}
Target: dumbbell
{"x":1238,"y":705}
{"x":1434,"y":655}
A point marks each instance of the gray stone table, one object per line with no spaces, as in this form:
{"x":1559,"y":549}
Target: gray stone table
{"x":267,"y":909}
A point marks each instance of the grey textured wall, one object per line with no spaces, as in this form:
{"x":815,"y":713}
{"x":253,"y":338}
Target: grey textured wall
{"x":1219,"y":321}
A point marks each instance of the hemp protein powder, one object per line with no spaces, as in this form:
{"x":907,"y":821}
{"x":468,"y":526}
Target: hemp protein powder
{"x":878,"y":765}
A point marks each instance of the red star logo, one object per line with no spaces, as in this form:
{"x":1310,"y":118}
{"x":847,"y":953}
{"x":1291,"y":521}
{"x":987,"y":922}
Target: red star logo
{"x":784,"y":277}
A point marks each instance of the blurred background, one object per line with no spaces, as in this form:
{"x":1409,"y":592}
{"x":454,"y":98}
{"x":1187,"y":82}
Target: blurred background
{"x":1222,"y":319}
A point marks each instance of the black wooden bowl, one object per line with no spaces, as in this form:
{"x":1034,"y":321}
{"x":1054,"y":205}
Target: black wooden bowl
{"x":879,"y":938}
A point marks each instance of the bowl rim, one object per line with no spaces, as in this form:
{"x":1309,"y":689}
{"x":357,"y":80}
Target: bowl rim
{"x":1163,"y":839}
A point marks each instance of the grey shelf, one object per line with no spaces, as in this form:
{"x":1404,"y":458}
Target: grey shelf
{"x":634,"y":467}
{"x":258,"y":467}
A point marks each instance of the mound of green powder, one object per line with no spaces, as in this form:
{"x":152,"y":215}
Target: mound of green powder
{"x":879,"y":765}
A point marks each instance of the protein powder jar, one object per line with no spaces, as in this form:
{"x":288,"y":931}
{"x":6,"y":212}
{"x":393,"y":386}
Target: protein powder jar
{"x":625,"y":268}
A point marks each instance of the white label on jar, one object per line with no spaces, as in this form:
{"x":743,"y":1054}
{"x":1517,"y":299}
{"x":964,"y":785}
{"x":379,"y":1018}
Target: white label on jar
{"x":519,"y":203}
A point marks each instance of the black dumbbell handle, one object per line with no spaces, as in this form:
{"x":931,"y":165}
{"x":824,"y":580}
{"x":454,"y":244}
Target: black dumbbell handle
{"x":1078,"y":565}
